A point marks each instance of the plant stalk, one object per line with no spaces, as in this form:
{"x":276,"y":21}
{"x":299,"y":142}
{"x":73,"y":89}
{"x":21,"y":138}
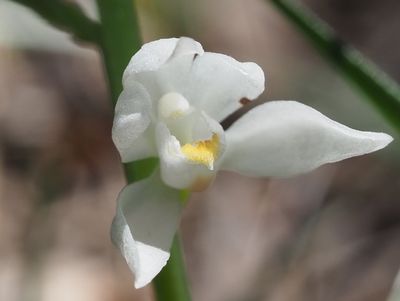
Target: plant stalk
{"x":171,"y":283}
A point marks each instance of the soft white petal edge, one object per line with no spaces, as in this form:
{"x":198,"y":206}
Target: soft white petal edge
{"x":218,"y":82}
{"x":285,"y":138}
{"x":147,"y":217}
{"x":131,"y":131}
{"x":153,"y":55}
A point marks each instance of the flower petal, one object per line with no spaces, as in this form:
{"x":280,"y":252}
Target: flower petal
{"x":162,"y":65}
{"x":150,"y":57}
{"x":211,"y":82}
{"x":285,"y":138}
{"x":218,"y":83}
{"x":155,"y":54}
{"x":148,"y":214}
{"x":131,"y":130}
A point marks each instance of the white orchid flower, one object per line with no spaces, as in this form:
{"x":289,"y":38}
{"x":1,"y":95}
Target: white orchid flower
{"x":174,"y":97}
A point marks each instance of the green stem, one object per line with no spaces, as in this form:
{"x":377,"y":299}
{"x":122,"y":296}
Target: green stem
{"x":67,"y":16}
{"x":382,"y":91}
{"x":120,"y":40}
{"x":171,"y":284}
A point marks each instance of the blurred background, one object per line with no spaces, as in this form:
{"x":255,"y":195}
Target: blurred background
{"x":332,"y":234}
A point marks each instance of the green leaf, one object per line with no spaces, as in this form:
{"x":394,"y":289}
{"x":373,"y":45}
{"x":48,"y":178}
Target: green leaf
{"x":66,"y":16}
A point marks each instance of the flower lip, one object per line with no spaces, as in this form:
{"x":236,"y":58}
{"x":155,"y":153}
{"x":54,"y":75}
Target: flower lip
{"x":203,"y":152}
{"x":195,"y":141}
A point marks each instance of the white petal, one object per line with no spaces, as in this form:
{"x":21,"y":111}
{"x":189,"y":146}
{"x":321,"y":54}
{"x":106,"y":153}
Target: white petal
{"x":203,"y":127}
{"x":131,"y":132}
{"x":211,"y":82}
{"x":176,"y":170}
{"x":218,"y":83}
{"x":169,"y":73}
{"x":154,"y":55}
{"x":186,"y":46}
{"x":284,"y":138}
{"x":148,"y":215}
{"x":150,"y":56}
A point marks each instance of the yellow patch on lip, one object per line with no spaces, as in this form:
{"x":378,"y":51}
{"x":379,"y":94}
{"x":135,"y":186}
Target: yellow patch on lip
{"x":203,"y":152}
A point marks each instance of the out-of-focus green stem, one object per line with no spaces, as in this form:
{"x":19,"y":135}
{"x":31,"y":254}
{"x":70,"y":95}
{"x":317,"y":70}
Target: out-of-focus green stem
{"x":120,"y":40}
{"x":67,"y":16}
{"x":171,"y":284}
{"x":382,"y":91}
{"x":140,"y":169}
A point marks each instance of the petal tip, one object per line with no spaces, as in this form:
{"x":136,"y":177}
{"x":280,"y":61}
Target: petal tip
{"x":139,"y":285}
{"x":256,"y":73}
{"x":144,"y":280}
{"x":382,"y":140}
{"x":140,"y":282}
{"x":186,"y":46}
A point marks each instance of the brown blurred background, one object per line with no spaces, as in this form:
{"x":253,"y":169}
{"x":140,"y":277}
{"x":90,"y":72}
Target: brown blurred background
{"x":332,"y":234}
